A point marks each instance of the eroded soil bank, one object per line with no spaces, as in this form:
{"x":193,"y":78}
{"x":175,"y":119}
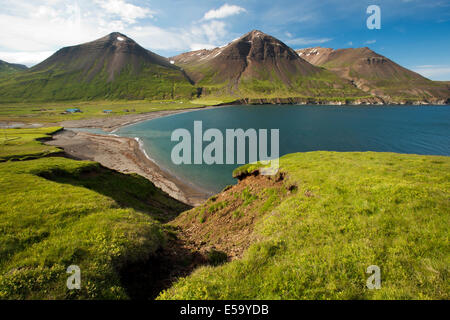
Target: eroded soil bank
{"x":218,"y":231}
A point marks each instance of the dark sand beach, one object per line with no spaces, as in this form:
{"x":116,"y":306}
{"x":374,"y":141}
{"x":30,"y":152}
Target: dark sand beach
{"x":124,"y":154}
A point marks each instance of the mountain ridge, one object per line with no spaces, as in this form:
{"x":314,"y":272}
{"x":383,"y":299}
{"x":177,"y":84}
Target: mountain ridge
{"x":258,"y":65}
{"x":376,"y":74}
{"x":254,"y":68}
{"x":7,"y":68}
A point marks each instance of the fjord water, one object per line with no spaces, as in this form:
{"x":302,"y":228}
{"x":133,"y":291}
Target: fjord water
{"x":402,"y":129}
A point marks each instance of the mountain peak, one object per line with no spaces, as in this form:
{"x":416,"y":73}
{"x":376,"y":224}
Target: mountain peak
{"x":117,"y":36}
{"x":260,"y":46}
{"x":116,"y":39}
{"x":258,"y":35}
{"x":114,"y":66}
{"x":246,"y":58}
{"x":112,"y":53}
{"x":255,"y":33}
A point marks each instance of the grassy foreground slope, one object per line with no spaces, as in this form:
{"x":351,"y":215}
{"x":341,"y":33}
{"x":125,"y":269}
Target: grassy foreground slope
{"x":343,"y":213}
{"x":56,"y":212}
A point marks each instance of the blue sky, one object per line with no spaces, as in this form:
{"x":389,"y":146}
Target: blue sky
{"x":414,"y":33}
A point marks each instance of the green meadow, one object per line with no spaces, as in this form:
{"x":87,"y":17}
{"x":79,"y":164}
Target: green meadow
{"x":53,"y":112}
{"x":21,"y":144}
{"x":346,"y":211}
{"x":57,"y":212}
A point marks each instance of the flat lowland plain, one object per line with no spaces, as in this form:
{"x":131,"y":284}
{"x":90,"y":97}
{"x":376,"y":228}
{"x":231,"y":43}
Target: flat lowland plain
{"x":21,"y":144}
{"x":47,"y":113}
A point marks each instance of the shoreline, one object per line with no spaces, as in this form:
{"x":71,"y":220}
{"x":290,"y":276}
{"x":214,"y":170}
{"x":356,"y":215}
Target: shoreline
{"x":125,"y":154}
{"x":113,"y":123}
{"x":167,"y":171}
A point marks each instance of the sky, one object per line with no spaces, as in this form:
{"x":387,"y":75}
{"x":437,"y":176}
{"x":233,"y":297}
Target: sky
{"x":413,"y":33}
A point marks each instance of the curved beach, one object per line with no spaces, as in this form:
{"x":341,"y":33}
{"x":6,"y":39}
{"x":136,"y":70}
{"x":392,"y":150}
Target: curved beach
{"x":124,"y":154}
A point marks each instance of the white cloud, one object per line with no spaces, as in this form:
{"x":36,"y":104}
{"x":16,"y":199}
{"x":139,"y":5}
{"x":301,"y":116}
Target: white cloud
{"x":224,"y":11}
{"x":52,"y":24}
{"x":32,"y":30}
{"x":370,"y":42}
{"x":214,"y":30}
{"x":26,"y":58}
{"x":197,"y":36}
{"x":434,"y":72}
{"x":126,"y":11}
{"x":307,"y":41}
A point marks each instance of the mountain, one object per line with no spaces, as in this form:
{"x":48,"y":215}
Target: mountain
{"x":258,"y":65}
{"x":377,"y":75}
{"x":255,"y":68}
{"x":10,"y":68}
{"x":113,"y":67}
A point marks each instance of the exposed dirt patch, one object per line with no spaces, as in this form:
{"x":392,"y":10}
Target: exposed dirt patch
{"x":218,"y":231}
{"x":225,"y":223}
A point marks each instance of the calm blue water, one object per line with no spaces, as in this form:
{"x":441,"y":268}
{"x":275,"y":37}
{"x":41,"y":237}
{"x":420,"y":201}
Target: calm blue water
{"x":414,"y":129}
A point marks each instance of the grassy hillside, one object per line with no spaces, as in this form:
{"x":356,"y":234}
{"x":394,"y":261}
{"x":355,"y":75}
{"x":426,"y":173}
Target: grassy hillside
{"x":308,"y":233}
{"x":321,"y":85}
{"x":259,"y":66}
{"x":110,"y":68}
{"x":7,"y":69}
{"x":152,"y":82}
{"x":317,"y":227}
{"x":267,"y":84}
{"x":56,"y":212}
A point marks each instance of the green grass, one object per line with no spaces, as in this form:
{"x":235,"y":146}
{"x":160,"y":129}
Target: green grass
{"x":340,"y":213}
{"x":217,"y":206}
{"x":322,"y":86}
{"x":47,"y":112}
{"x":347,"y":211}
{"x":247,"y":197}
{"x":210,"y":101}
{"x":59,"y":83}
{"x":56,"y":212}
{"x":266,"y":84}
{"x":21,"y":144}
{"x":7,"y":69}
